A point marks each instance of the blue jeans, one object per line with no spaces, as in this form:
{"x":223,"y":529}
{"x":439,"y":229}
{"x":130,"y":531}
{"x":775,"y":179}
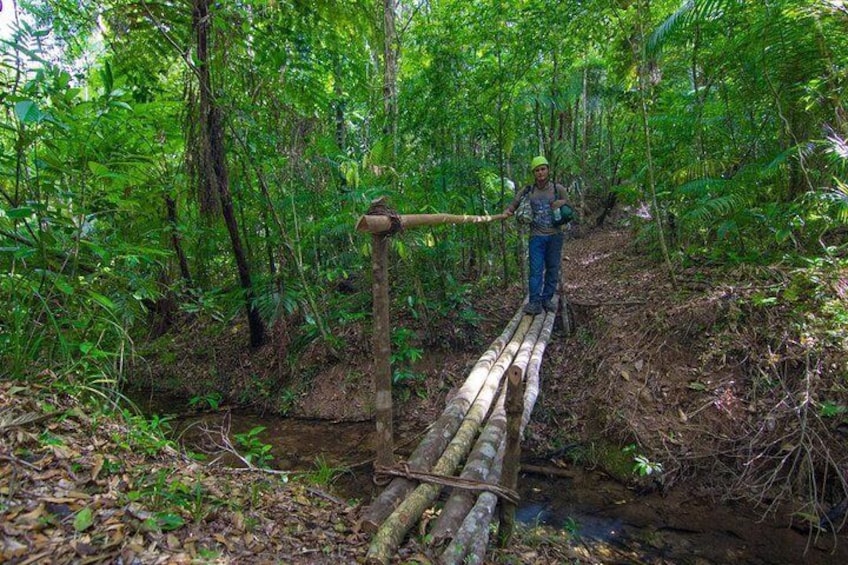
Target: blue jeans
{"x":545,"y":257}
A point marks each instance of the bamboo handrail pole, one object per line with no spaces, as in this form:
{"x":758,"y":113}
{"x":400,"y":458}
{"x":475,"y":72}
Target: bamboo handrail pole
{"x":440,"y":434}
{"x":380,"y":224}
{"x":395,"y":527}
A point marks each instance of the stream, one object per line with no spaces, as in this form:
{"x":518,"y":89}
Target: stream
{"x":609,"y":523}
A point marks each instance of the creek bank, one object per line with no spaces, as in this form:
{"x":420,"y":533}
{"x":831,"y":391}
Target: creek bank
{"x":691,"y":376}
{"x":590,"y":516}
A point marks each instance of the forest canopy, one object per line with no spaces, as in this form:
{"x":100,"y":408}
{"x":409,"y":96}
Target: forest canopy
{"x":164,"y":158}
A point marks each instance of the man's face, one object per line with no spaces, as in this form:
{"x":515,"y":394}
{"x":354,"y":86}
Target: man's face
{"x":541,"y":174}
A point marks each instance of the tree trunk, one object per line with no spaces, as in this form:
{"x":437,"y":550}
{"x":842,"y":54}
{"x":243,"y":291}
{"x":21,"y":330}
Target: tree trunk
{"x":390,"y":65}
{"x":474,"y":531}
{"x":216,"y":169}
{"x":642,"y":68}
{"x":489,"y":446}
{"x":437,"y":438}
{"x":176,"y":239}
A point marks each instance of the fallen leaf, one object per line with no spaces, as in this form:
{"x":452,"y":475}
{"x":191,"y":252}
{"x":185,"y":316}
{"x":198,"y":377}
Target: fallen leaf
{"x":96,"y":466}
{"x":83,"y":549}
{"x":173,"y":542}
{"x":13,"y":548}
{"x":84,"y":519}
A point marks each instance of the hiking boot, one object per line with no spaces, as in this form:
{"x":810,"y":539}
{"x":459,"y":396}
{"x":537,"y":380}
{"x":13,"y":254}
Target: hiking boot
{"x":550,"y":306}
{"x":532,"y":308}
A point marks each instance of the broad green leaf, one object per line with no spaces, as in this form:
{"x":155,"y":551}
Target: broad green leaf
{"x":102,"y":300}
{"x":84,"y":519}
{"x":168,"y":521}
{"x":63,"y":285}
{"x":17,"y":213}
{"x":27,"y":112}
{"x":98,"y":169}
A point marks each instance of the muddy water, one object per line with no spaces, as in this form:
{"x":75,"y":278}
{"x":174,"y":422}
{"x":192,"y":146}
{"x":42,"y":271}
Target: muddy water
{"x":609,"y":523}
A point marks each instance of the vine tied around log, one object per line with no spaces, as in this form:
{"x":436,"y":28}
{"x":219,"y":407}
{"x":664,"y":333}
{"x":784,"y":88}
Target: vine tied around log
{"x":380,"y":208}
{"x":404,"y":471}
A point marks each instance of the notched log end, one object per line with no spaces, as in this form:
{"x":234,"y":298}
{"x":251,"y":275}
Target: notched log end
{"x":515,"y":374}
{"x":379,"y":224}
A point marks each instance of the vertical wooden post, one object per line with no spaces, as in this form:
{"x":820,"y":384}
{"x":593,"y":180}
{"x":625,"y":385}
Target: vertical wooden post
{"x":512,"y":452}
{"x":382,"y":351}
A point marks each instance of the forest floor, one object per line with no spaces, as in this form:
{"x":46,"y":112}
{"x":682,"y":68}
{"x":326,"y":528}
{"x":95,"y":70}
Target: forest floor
{"x":650,"y":365}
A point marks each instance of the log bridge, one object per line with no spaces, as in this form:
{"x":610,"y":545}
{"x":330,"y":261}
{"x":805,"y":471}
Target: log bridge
{"x":473,"y":447}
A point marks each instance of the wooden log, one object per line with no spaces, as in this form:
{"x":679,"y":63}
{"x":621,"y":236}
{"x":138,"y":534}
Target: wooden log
{"x":382,"y":351}
{"x":474,"y":531}
{"x":439,"y":435}
{"x":512,"y":453}
{"x":488,"y":448}
{"x":470,"y":543}
{"x":532,"y":377}
{"x":395,"y":527}
{"x":382,"y":224}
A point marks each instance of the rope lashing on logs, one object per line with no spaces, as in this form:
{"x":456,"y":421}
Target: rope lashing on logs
{"x":379,"y":208}
{"x":403,"y":470}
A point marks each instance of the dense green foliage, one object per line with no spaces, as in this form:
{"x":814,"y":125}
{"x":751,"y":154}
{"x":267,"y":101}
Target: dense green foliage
{"x":720,"y":122}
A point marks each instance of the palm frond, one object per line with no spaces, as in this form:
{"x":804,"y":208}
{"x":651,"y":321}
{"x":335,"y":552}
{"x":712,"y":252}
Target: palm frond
{"x":838,"y":196}
{"x":690,"y":11}
{"x":10,"y":419}
{"x":680,"y":18}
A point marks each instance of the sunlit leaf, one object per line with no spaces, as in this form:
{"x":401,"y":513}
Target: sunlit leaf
{"x":27,"y":112}
{"x":84,"y":519}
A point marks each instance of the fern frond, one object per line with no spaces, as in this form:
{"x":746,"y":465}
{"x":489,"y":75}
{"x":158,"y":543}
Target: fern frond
{"x":702,"y":187}
{"x":710,"y":210}
{"x":699,"y":170}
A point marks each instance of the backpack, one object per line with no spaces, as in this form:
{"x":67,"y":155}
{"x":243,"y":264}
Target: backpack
{"x":524,"y":213}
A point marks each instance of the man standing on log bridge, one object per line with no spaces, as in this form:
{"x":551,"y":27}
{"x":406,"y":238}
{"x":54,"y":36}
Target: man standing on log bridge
{"x":547,"y":213}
